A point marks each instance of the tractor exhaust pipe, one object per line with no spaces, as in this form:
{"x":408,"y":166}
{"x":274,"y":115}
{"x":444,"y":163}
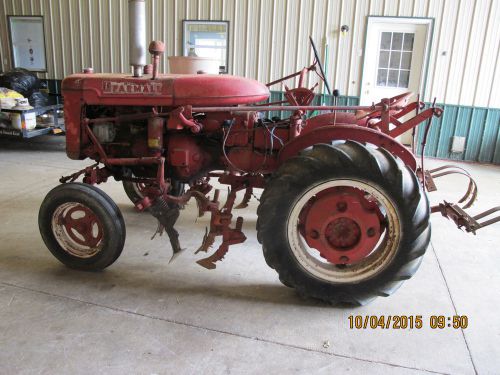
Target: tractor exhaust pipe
{"x":137,"y":35}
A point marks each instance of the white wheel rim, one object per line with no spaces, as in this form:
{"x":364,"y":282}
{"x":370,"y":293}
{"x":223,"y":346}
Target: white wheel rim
{"x":309,"y":259}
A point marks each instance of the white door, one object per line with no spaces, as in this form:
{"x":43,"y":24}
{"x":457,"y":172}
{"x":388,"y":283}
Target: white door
{"x":395,"y":58}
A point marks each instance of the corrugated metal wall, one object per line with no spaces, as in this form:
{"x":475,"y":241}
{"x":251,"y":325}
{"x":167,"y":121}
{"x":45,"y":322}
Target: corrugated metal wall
{"x":479,"y":126}
{"x":270,"y":38}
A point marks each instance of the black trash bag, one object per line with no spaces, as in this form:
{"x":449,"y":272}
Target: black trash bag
{"x":38,"y":99}
{"x":21,"y":80}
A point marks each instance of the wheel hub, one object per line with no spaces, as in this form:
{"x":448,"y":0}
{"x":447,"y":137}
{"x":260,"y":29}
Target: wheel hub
{"x":343,"y":233}
{"x":342,"y":224}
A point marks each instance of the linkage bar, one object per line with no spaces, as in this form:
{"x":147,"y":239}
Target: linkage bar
{"x":463,"y":219}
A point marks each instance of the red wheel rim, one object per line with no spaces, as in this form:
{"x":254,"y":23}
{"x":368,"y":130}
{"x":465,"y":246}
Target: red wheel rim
{"x":321,"y":229}
{"x":77,"y":229}
{"x":342,"y":224}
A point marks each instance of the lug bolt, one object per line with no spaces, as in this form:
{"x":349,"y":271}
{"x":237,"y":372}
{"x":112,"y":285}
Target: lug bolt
{"x":344,"y":259}
{"x":314,"y":234}
{"x":370,"y":232}
{"x":342,"y":206}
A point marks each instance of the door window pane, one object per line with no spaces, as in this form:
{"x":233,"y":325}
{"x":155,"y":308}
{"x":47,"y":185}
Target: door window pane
{"x":392,"y":80}
{"x":408,"y":42}
{"x":395,"y":59}
{"x":384,"y":59}
{"x":395,"y":53}
{"x":385,"y":43}
{"x":404,"y":78}
{"x":397,"y":41}
{"x":382,"y":77}
{"x":406,"y":60}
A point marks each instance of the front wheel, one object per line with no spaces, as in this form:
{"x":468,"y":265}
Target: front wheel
{"x":344,"y":223}
{"x":81,"y":226}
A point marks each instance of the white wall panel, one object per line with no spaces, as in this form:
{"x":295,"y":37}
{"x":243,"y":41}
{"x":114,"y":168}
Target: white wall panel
{"x":489,"y":60}
{"x":472,"y":61}
{"x":458,"y":51}
{"x":269,"y":38}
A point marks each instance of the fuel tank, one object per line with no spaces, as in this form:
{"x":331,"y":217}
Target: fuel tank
{"x":167,"y":90}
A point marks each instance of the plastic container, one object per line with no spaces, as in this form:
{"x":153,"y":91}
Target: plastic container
{"x":193,"y":65}
{"x":16,"y":121}
{"x":29,"y":121}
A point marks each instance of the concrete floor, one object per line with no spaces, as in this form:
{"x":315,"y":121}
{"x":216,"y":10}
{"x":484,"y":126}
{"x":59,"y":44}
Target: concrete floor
{"x":144,"y":316}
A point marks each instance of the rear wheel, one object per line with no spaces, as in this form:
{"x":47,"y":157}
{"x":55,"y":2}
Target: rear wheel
{"x":82,"y":226}
{"x":344,"y":223}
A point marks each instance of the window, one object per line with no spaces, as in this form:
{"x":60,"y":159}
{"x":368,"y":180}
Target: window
{"x":206,"y":39}
{"x":394,"y":60}
{"x":27,"y":42}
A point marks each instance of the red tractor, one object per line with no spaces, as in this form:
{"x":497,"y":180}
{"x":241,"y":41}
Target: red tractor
{"x":343,"y":216}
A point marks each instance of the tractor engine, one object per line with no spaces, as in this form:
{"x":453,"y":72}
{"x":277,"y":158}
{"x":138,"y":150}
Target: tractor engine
{"x":239,"y":141}
{"x":119,"y":116}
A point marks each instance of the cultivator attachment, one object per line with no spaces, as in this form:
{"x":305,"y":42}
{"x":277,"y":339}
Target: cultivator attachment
{"x":246,"y":198}
{"x":470,"y":195}
{"x":463,"y":219}
{"x":167,"y":217}
{"x":456,"y":211}
{"x":165,"y":208}
{"x":220,"y":226}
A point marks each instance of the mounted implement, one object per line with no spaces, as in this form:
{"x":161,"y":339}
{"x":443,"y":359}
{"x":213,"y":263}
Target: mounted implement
{"x":343,"y":216}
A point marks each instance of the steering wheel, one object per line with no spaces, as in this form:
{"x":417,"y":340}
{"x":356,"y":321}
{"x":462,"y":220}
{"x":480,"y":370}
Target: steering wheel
{"x":316,"y":57}
{"x":398,"y":100}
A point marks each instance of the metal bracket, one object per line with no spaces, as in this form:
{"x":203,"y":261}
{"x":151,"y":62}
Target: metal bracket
{"x":463,"y":219}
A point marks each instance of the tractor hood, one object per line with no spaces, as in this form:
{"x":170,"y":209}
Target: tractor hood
{"x":166,"y":90}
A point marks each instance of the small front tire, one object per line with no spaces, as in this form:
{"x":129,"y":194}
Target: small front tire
{"x":82,"y":226}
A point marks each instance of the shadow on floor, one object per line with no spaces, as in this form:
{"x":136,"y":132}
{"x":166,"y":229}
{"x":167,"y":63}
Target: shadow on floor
{"x":48,"y":143}
{"x":144,"y":281}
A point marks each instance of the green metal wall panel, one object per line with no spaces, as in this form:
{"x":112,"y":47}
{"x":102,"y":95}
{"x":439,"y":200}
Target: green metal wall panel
{"x":496,"y":153}
{"x":474,"y":138}
{"x":480,"y":127}
{"x":462,"y":125}
{"x":277,"y":96}
{"x":446,"y":131}
{"x":433,"y":136}
{"x":490,"y":136}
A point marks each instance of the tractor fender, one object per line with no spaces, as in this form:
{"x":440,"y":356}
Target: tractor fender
{"x":329,"y":119}
{"x":326,"y":134}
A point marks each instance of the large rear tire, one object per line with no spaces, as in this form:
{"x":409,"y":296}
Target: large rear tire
{"x":344,"y":223}
{"x":82,"y":226}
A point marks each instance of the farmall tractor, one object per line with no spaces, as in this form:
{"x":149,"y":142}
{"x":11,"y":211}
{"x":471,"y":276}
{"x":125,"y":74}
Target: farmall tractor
{"x":343,"y":216}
